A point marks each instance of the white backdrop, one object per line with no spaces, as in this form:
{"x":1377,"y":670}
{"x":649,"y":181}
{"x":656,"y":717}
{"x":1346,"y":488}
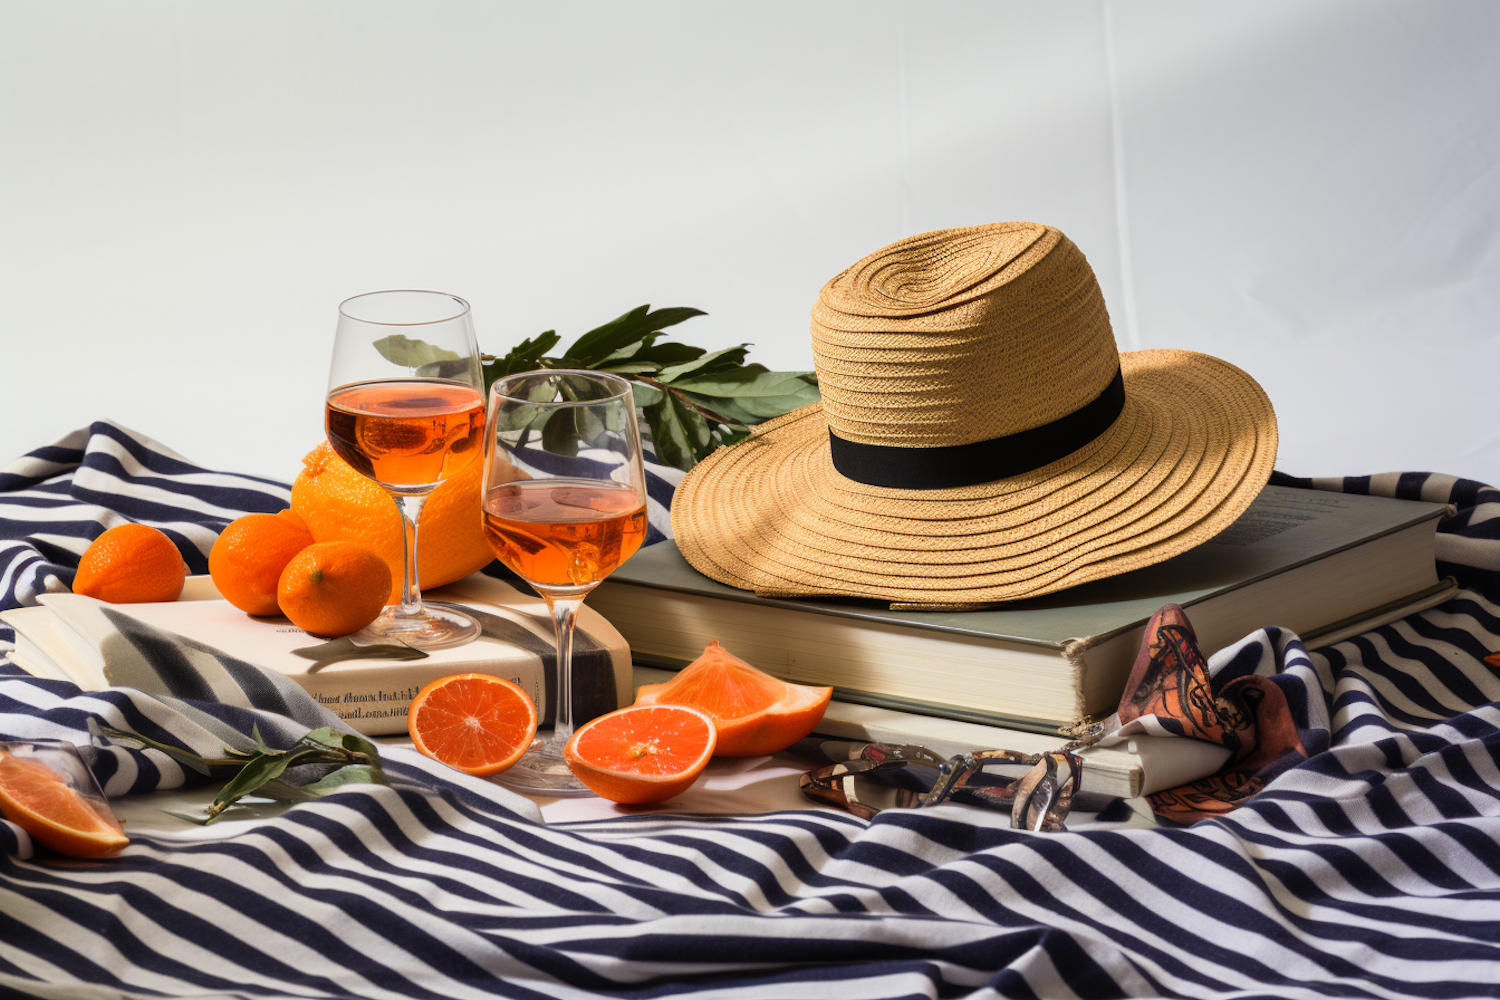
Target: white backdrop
{"x":1307,"y":188}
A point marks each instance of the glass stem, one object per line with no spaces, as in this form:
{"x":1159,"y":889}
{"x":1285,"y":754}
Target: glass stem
{"x":563,"y":609}
{"x":411,"y":591}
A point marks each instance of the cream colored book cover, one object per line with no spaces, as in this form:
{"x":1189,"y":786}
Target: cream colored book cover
{"x":371,"y":694}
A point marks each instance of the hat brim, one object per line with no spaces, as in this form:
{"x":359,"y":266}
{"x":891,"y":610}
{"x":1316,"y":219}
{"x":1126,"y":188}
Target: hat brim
{"x":1193,"y":446}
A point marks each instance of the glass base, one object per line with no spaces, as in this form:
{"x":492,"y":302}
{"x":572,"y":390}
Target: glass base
{"x":430,"y":628}
{"x":542,"y":773}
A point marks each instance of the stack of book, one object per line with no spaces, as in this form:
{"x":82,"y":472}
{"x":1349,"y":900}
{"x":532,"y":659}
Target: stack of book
{"x":1326,"y":566}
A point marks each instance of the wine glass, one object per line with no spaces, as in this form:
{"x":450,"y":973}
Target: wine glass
{"x":564,"y":505}
{"x":405,"y":408}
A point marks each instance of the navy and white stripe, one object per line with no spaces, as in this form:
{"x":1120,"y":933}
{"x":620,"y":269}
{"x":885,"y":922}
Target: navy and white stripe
{"x":1372,"y":869}
{"x":58,"y":498}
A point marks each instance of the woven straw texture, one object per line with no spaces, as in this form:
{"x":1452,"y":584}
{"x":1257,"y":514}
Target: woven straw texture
{"x":955,"y":337}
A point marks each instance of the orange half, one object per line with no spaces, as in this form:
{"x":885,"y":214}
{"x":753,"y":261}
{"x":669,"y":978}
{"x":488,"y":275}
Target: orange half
{"x":478,"y":723}
{"x":643,"y":753}
{"x":755,"y":713}
{"x":41,"y":802}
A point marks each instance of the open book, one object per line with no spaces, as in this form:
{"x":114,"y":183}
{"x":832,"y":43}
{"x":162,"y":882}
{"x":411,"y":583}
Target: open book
{"x":97,"y":645}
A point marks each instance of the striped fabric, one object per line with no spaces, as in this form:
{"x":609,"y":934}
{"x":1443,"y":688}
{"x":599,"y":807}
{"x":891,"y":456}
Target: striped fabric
{"x":1372,"y":869}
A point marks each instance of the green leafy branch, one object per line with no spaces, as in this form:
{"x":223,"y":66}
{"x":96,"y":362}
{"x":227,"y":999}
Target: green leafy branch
{"x":338,"y":759}
{"x":693,"y":400}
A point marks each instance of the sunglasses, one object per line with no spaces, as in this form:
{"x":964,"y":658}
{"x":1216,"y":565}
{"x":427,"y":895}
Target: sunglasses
{"x":1037,"y":788}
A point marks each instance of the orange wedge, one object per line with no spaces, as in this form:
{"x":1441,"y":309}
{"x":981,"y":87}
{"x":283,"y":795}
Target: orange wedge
{"x":755,"y":713}
{"x":39,"y":801}
{"x":643,"y":753}
{"x":478,"y":723}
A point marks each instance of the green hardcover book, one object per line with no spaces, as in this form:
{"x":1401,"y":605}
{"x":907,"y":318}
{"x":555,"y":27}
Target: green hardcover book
{"x":1325,"y":565}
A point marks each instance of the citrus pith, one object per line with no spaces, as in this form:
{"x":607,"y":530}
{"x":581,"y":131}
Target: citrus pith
{"x":643,"y":753}
{"x":39,"y":801}
{"x":478,"y":723}
{"x":755,"y":713}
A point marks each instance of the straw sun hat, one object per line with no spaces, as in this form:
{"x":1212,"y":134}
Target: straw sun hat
{"x":980,"y":438}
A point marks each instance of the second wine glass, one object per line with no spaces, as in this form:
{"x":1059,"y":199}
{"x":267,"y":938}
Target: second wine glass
{"x":405,"y":409}
{"x":564,"y":506}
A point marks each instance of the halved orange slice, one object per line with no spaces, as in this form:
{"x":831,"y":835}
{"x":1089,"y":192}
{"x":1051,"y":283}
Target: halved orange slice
{"x":478,"y":723}
{"x":755,"y":713}
{"x":41,"y":802}
{"x":643,"y":753}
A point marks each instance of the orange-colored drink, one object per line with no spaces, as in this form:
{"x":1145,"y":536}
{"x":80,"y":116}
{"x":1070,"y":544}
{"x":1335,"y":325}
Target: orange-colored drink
{"x":406,"y":434}
{"x":563,"y":534}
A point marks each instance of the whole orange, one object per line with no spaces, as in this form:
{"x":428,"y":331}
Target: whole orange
{"x":131,"y":564}
{"x":333,"y":588}
{"x":249,"y":555}
{"x":338,"y":504}
{"x":290,"y":516}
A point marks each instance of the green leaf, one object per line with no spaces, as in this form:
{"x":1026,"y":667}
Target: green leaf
{"x":748,"y":382}
{"x":350,"y":774}
{"x":646,"y":394}
{"x":630,"y":368}
{"x":669,"y":438}
{"x":526,"y":356}
{"x":727,"y":357}
{"x":326,"y":736}
{"x":402,"y":350}
{"x":671,"y":316}
{"x":458,"y":370}
{"x":560,"y":433}
{"x":254,"y":774}
{"x":602,"y":341}
{"x":200,"y":764}
{"x":352,"y":757}
{"x":700,"y":438}
{"x":668,"y":354}
{"x":345,"y":648}
{"x":354,"y":743}
{"x":729,"y":409}
{"x":764,"y":407}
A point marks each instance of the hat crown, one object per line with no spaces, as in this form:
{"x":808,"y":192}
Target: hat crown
{"x":960,"y":336}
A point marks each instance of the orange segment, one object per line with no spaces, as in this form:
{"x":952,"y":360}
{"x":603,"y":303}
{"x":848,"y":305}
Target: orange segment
{"x":39,"y":801}
{"x":475,"y":722}
{"x":644,"y":753}
{"x":131,"y":564}
{"x":756,"y":714}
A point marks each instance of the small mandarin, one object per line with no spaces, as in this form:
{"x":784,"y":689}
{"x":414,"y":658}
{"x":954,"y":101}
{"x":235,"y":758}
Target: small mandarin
{"x":333,"y":588}
{"x":131,"y":564}
{"x":249,"y":555}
